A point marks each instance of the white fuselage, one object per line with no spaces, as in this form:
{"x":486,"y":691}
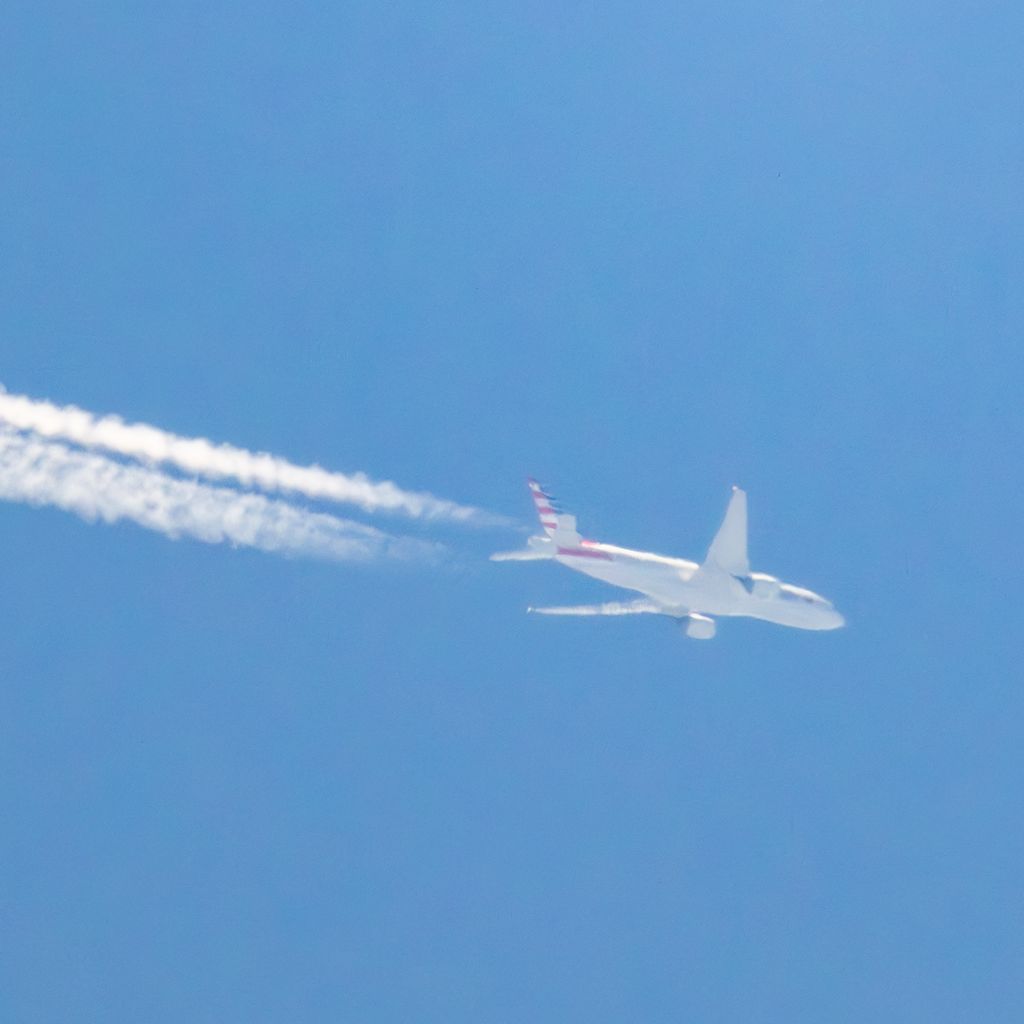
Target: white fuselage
{"x":678,"y":584}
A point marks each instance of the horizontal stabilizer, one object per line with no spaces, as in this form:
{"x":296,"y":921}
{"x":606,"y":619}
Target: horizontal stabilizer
{"x":611,"y":608}
{"x":524,"y":555}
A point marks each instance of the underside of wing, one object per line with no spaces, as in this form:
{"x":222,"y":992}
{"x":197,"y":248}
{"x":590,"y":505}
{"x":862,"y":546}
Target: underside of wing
{"x":695,"y":625}
{"x":609,"y":608}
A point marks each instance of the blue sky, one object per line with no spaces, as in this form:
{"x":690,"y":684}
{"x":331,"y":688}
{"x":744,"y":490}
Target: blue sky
{"x":643,"y":255}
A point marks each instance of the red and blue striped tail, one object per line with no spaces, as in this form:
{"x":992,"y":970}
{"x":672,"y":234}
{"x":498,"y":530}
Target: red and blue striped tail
{"x":547,"y":507}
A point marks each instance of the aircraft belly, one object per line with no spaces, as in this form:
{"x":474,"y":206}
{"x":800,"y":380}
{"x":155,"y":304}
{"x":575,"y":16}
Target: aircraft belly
{"x":657,"y":581}
{"x":662,"y":583}
{"x":609,"y":571}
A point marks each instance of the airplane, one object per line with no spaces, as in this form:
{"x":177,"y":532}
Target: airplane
{"x":722,"y":584}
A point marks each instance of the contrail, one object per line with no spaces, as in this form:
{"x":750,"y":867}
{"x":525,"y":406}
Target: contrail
{"x":93,"y":486}
{"x":204,"y":458}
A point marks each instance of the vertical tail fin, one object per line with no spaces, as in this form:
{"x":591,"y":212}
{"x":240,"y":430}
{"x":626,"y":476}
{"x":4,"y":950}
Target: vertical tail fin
{"x":547,"y":507}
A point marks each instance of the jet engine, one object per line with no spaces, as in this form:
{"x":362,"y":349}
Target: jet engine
{"x":763,"y":585}
{"x":699,"y":627}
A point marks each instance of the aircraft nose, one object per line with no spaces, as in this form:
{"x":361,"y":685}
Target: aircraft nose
{"x":836,"y":620}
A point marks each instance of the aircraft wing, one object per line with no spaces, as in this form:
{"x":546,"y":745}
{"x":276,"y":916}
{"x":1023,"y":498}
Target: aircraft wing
{"x":610,"y":608}
{"x":728,"y":550}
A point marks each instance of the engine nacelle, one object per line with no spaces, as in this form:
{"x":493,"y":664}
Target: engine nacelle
{"x":763,"y":585}
{"x":699,"y":627}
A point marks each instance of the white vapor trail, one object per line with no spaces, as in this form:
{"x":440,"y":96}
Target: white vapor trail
{"x":204,"y":458}
{"x":93,"y":486}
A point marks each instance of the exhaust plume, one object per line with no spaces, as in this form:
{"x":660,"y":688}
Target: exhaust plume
{"x":93,"y":486}
{"x":204,"y":458}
